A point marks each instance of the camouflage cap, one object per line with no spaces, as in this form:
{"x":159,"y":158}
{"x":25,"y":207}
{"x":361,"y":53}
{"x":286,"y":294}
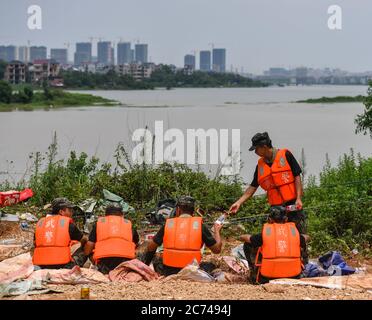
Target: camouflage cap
{"x":186,"y":201}
{"x":277,"y":213}
{"x":114,"y":208}
{"x":61,"y":203}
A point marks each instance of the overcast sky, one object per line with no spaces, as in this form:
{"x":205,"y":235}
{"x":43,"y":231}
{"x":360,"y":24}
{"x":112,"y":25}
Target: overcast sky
{"x":257,"y":34}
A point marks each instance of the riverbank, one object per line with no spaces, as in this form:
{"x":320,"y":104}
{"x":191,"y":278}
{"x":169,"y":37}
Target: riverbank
{"x":58,"y":99}
{"x":338,"y":99}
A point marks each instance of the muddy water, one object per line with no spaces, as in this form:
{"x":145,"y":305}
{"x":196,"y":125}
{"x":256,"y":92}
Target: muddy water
{"x":317,"y":128}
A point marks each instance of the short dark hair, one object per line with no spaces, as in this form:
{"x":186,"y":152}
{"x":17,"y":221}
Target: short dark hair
{"x":278,"y":214}
{"x":186,"y":208}
{"x":114,"y":209}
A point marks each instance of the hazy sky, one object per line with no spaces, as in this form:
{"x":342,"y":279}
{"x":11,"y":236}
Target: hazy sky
{"x":257,"y":34}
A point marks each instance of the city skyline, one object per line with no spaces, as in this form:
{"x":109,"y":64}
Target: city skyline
{"x":256,"y":35}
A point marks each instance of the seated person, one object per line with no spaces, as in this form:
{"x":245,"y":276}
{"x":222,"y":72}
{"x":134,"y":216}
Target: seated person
{"x":278,"y":248}
{"x":112,"y":240}
{"x":182,"y":238}
{"x":53,"y":236}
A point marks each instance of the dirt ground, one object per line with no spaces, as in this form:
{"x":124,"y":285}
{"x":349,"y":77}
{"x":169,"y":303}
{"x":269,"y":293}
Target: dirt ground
{"x":184,"y":290}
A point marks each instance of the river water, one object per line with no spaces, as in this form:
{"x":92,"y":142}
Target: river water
{"x":316,"y":128}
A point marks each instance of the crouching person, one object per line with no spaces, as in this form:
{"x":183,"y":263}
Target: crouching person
{"x":182,"y":238}
{"x":54,"y":235}
{"x":276,"y":252}
{"x":112,"y":240}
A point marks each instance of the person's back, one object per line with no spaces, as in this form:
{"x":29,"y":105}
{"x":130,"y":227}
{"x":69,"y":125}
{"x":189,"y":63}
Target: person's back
{"x":52,"y":241}
{"x":182,"y":241}
{"x":54,"y":235}
{"x":281,"y":253}
{"x":182,"y":238}
{"x":276,"y":252}
{"x":113,"y":240}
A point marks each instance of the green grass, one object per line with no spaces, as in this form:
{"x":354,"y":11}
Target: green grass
{"x":60,"y":99}
{"x":338,"y":99}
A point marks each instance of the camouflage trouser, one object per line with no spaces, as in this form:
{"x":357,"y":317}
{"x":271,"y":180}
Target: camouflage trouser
{"x":250,"y":254}
{"x":79,"y":257}
{"x":299,"y":218}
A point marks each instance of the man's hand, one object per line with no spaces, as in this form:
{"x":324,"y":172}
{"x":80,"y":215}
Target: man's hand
{"x":298,"y":204}
{"x":217,"y":227}
{"x":235,"y":207}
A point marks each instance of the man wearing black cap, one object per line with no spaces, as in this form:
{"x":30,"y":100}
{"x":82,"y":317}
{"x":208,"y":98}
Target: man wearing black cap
{"x":281,"y":249}
{"x":53,"y":236}
{"x":182,"y":238}
{"x":278,"y":173}
{"x":113,"y":239}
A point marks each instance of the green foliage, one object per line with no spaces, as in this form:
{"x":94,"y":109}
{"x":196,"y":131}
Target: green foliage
{"x":364,"y":120}
{"x":340,"y":208}
{"x":24,"y":95}
{"x":5,"y":92}
{"x":338,"y":99}
{"x":165,"y":77}
{"x":110,"y":80}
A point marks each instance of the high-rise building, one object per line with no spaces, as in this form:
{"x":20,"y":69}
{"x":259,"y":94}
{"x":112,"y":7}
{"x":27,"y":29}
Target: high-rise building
{"x":112,"y":55}
{"x":124,"y":53}
{"x":8,"y":53}
{"x":38,"y":53}
{"x":205,"y":60}
{"x":189,"y":61}
{"x":23,"y":54}
{"x":141,"y":53}
{"x":83,"y":53}
{"x":60,"y":55}
{"x":132,"y":55}
{"x":219,"y":60}
{"x":105,"y":51}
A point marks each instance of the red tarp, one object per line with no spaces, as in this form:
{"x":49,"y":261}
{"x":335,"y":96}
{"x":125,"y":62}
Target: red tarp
{"x":11,"y":197}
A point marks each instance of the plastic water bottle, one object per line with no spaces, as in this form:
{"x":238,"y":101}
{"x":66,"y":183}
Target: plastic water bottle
{"x":221,"y":219}
{"x":291,"y":208}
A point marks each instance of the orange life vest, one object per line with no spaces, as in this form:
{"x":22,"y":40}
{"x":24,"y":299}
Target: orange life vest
{"x":52,"y":241}
{"x":281,"y":251}
{"x":114,"y":238}
{"x":182,"y":241}
{"x":277,"y":180}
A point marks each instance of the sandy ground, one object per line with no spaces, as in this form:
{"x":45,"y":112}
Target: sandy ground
{"x":183,"y":290}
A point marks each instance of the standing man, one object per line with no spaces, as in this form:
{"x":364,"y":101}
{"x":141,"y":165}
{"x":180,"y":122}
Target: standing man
{"x":278,"y":173}
{"x":182,"y":238}
{"x":113,"y":240}
{"x":53,"y":236}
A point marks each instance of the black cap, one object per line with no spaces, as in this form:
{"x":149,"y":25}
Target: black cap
{"x":277,"y":213}
{"x":114,"y":208}
{"x":186,"y":201}
{"x":260,"y":139}
{"x":62,"y":203}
